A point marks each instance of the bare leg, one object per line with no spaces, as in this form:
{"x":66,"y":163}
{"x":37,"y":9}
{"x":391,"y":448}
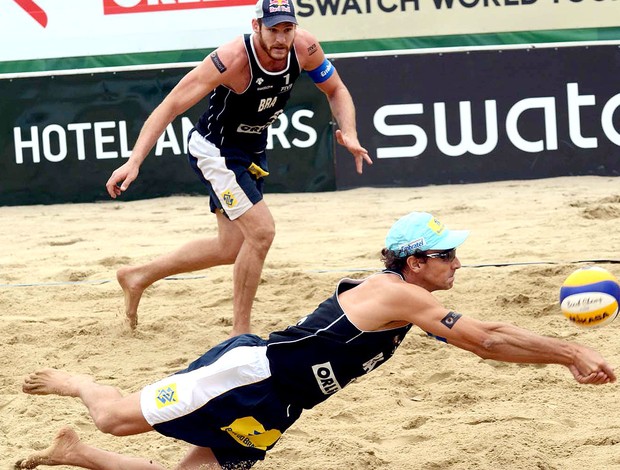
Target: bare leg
{"x":200,"y":458}
{"x":67,"y":449}
{"x":193,"y":256}
{"x":111,"y":412}
{"x":258,"y":230}
{"x":245,"y":242}
{"x":54,"y":382}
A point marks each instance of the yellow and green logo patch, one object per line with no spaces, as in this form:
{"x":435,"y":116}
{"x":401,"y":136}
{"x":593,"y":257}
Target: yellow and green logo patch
{"x":166,"y":396}
{"x":435,"y":225}
{"x":229,"y":198}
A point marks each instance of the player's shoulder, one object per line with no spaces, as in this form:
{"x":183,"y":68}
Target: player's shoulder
{"x":230,"y":55}
{"x":388,"y":280}
{"x":305,"y":39}
{"x":400,"y":288}
{"x":308,"y":48}
{"x":302,"y":34}
{"x":232,"y":48}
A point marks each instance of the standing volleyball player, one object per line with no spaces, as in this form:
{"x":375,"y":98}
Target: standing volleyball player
{"x":249,"y":81}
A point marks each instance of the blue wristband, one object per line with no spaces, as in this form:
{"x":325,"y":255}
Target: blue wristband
{"x":322,"y":72}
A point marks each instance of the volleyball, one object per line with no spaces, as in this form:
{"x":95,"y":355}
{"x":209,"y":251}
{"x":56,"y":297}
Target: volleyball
{"x":589,"y":297}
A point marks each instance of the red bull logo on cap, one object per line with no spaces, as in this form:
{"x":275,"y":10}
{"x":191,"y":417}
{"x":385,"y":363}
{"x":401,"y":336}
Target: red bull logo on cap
{"x":279,"y":5}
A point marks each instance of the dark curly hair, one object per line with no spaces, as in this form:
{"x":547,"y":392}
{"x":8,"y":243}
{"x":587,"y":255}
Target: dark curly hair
{"x":391,"y":261}
{"x":396,"y":263}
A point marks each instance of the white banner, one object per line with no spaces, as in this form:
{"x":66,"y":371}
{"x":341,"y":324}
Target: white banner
{"x":49,"y":29}
{"x":44,"y":29}
{"x":341,"y":20}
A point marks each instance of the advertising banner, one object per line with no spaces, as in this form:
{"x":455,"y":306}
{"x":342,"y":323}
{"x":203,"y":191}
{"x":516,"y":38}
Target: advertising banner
{"x":39,"y":35}
{"x":490,"y":115}
{"x":347,"y":20}
{"x":62,"y":136}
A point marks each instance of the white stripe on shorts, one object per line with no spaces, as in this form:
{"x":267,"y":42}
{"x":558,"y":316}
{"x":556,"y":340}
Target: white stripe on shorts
{"x":213,"y":167}
{"x":181,"y":394}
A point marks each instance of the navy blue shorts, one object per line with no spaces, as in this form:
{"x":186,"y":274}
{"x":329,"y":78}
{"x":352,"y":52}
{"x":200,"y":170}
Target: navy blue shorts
{"x":225,"y":400}
{"x":233,"y":178}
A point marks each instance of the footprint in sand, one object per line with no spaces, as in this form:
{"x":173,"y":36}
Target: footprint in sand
{"x":601,"y":212}
{"x":113,"y":261}
{"x":65,"y":242}
{"x":439,"y":377}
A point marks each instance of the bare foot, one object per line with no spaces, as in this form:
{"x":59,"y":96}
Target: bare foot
{"x":132,"y":290}
{"x":54,"y":382}
{"x":239,"y":331}
{"x":58,"y":453}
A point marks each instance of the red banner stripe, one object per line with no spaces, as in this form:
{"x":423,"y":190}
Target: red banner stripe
{"x":110,"y":7}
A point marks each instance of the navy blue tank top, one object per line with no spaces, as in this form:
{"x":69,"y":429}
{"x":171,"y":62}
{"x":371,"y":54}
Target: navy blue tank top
{"x":324,"y":352}
{"x":241,"y":120}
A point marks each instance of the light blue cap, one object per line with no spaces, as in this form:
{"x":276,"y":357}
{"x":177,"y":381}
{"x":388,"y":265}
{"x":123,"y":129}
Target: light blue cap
{"x":420,"y":231}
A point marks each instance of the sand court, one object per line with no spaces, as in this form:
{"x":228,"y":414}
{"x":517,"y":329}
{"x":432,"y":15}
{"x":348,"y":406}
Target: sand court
{"x":432,"y":406}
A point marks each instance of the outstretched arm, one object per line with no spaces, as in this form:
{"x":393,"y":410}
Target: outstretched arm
{"x":343,"y":109}
{"x":496,"y":340}
{"x":340,"y":101}
{"x":193,"y":87}
{"x":510,"y":343}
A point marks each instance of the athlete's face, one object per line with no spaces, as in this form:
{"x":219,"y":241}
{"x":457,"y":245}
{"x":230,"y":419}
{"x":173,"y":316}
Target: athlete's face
{"x":277,"y":40}
{"x":438,"y":273}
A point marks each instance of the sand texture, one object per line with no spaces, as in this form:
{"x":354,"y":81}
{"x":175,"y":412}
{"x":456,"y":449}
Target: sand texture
{"x":432,"y":406}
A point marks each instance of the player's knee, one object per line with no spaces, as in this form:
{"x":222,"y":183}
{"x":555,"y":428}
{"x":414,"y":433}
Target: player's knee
{"x":228,"y":253}
{"x":262,"y":238}
{"x":229,"y":258}
{"x":108,"y":423}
